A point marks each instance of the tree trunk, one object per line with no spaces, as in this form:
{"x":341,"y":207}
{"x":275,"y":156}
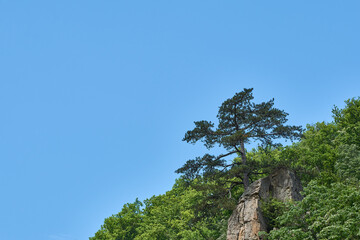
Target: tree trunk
{"x":246,"y":171}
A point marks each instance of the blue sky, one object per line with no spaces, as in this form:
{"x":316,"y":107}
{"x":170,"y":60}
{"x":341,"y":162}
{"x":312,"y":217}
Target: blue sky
{"x":95,"y":96}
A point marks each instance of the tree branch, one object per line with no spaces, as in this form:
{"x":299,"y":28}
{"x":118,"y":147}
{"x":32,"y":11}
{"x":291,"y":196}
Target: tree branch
{"x":225,"y":155}
{"x":238,"y":150}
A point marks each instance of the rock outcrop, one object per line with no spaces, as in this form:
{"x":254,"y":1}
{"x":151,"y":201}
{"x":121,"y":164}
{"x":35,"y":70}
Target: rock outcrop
{"x":247,"y":219}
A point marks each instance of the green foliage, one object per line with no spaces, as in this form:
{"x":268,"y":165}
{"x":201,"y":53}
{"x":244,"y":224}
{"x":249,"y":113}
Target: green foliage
{"x":348,"y":163}
{"x":168,"y":216}
{"x":348,"y":120}
{"x":325,"y":213}
{"x":328,"y":153}
{"x":319,"y":149}
{"x":240,"y":121}
{"x":263,"y":161}
{"x":121,"y":226}
{"x":316,"y":154}
{"x":271,"y":209}
{"x":327,"y":158}
{"x":171,"y":216}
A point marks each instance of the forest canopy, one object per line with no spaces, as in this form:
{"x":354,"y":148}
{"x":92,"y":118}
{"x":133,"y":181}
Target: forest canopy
{"x":326,"y":158}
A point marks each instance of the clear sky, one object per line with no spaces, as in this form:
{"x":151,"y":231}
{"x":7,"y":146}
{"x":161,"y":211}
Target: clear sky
{"x":95,"y":96}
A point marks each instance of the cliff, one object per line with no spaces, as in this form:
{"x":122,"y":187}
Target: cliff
{"x":247,"y":219}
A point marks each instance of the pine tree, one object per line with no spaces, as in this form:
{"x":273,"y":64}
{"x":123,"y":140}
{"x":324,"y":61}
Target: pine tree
{"x":241,"y":121}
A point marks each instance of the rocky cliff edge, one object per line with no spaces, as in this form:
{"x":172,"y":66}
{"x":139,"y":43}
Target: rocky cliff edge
{"x":247,"y":219}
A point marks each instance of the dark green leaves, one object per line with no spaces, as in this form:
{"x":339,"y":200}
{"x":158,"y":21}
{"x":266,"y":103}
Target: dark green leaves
{"x":202,"y":131}
{"x":240,"y":121}
{"x":207,"y":165}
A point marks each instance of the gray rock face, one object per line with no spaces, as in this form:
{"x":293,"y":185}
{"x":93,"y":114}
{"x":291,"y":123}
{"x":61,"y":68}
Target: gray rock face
{"x":247,"y":219}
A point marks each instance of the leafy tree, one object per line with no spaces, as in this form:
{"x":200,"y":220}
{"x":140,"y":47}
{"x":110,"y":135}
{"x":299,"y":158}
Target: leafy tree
{"x":348,"y":120}
{"x":121,"y":226}
{"x":327,"y":148}
{"x":272,"y":208}
{"x":315,"y":155}
{"x":166,"y":216}
{"x":348,"y":164}
{"x":171,"y":216}
{"x":240,"y":122}
{"x":325,"y":213}
{"x":331,"y":210}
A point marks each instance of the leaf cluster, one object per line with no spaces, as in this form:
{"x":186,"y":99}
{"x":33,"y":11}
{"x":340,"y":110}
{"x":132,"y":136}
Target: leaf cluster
{"x":325,"y":213}
{"x":167,"y":216}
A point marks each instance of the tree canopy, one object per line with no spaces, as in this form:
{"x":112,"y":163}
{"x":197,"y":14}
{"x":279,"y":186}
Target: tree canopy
{"x":327,"y":158}
{"x":240,"y":121}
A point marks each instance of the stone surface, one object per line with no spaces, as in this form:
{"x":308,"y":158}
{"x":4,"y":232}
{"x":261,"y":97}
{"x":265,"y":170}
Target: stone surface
{"x":247,"y":219}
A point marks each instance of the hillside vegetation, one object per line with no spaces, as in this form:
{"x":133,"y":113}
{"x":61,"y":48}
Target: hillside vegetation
{"x":327,"y":159}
